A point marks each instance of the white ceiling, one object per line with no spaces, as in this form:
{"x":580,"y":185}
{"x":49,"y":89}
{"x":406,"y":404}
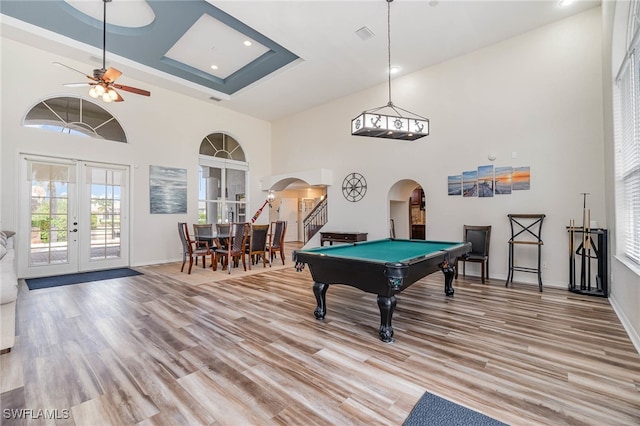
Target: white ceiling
{"x":332,"y":60}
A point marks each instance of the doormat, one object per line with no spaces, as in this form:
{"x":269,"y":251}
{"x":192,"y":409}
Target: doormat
{"x":81,"y":277}
{"x":435,"y":411}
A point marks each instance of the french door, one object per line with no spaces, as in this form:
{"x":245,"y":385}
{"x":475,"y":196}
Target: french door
{"x":73,"y":216}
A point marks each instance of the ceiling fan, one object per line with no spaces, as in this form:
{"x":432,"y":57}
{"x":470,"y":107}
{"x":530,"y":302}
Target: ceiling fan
{"x":103,"y":82}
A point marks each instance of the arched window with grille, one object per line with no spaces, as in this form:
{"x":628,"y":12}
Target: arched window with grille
{"x":223,"y":176}
{"x":75,"y":115}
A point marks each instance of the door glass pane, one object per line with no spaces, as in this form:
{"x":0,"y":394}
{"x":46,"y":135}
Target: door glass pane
{"x":236,"y":195}
{"x":210,"y":196}
{"x":49,"y":200}
{"x":106,"y":190}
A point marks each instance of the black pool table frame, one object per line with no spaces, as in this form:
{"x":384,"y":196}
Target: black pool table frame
{"x":382,"y":278}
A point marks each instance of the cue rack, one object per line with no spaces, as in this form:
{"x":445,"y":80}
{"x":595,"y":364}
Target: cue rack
{"x":588,"y":246}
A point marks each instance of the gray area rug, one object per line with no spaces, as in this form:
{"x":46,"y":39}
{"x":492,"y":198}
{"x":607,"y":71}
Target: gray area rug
{"x":81,"y":277}
{"x":433,"y":410}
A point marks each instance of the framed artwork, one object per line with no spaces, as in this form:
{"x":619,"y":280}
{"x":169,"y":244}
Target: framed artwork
{"x":470,"y":183}
{"x":521,"y":178}
{"x":485,"y":181}
{"x":503,"y":180}
{"x":488,"y":180}
{"x":167,"y":190}
{"x":454,"y":184}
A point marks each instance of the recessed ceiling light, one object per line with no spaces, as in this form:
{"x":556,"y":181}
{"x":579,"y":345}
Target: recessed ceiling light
{"x":563,"y":3}
{"x":214,"y":67}
{"x":247,"y":43}
{"x":394,"y":69}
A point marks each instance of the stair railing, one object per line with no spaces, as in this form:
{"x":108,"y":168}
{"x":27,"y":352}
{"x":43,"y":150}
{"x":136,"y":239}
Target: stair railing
{"x":315,"y":220}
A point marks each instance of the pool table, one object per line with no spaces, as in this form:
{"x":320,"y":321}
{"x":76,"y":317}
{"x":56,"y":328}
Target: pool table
{"x":383,"y":267}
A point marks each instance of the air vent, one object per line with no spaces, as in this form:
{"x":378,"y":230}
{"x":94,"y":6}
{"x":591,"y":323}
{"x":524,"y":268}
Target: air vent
{"x":364,"y":33}
{"x":213,"y":98}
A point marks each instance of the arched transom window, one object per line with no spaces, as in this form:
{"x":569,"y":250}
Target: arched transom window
{"x":77,"y":116}
{"x":221,"y":145}
{"x":223,"y":180}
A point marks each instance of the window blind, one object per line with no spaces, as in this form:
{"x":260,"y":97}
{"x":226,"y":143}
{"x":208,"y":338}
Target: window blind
{"x":628,"y":145}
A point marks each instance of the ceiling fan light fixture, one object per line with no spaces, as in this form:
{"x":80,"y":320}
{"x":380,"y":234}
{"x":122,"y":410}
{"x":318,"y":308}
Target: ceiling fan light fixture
{"x":104,"y":79}
{"x":407,"y":126}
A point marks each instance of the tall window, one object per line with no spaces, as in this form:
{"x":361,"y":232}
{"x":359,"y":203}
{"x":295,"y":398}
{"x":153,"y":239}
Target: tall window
{"x":223,"y":180}
{"x":75,"y":116}
{"x":628,"y":143}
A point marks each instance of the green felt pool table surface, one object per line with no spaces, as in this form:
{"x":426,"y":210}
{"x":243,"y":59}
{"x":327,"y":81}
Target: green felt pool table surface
{"x":386,"y":250}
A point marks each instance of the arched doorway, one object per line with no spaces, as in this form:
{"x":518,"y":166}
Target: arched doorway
{"x":293,"y":204}
{"x":296,"y":195}
{"x":407,"y":210}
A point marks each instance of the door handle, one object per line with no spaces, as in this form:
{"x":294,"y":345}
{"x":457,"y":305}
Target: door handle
{"x":74,"y":230}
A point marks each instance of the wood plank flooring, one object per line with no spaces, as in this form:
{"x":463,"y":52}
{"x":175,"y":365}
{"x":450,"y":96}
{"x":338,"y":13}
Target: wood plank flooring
{"x":245,"y":349}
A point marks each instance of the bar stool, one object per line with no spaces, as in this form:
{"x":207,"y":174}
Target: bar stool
{"x":523,"y":225}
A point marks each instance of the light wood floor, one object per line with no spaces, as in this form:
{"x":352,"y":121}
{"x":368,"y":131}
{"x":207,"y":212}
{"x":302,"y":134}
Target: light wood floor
{"x":165,"y":348}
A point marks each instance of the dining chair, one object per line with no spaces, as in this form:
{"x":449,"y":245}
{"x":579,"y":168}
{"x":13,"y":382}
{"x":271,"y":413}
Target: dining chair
{"x":238,"y":234}
{"x":480,"y":238}
{"x":276,"y":240}
{"x":190,"y":249}
{"x":203,"y":235}
{"x":257,"y":245}
{"x":222,"y":234}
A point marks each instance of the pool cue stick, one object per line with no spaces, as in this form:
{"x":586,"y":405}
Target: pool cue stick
{"x":584,"y":242}
{"x":589,"y":249}
{"x":569,"y":229}
{"x":572,"y":263}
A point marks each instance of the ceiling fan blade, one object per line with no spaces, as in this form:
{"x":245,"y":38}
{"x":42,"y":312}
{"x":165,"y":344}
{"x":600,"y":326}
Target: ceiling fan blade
{"x":119,"y":98}
{"x":79,"y":84}
{"x":111,"y":75}
{"x":73,"y":69}
{"x":132,"y":90}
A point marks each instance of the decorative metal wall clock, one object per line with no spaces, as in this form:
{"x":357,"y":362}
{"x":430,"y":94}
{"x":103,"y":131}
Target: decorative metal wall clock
{"x":354,"y":186}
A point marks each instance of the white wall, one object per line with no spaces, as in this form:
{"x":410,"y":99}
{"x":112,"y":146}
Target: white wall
{"x":538,"y":95}
{"x":165,"y":129}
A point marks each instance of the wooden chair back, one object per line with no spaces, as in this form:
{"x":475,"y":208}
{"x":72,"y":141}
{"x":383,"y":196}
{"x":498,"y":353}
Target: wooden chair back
{"x":276,"y":239}
{"x":238,"y":233}
{"x":222,"y":228}
{"x":480,"y":239}
{"x":203,"y":231}
{"x":183,"y":231}
{"x":258,"y":243}
{"x":190,"y":248}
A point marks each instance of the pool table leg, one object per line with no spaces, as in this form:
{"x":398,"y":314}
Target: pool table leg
{"x":320,"y":291}
{"x":449,"y":272}
{"x":386,"y":305}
